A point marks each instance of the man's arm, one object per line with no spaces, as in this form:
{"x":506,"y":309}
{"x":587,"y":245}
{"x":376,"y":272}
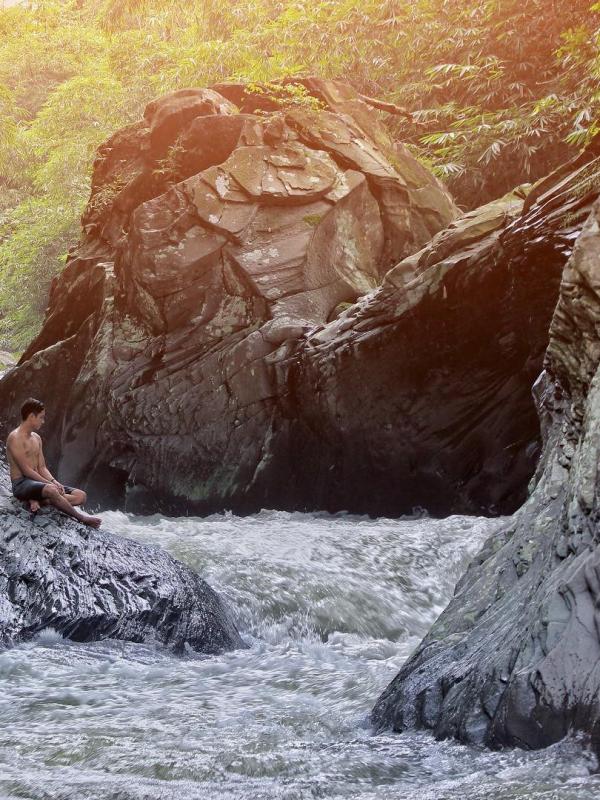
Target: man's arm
{"x":43,"y":469}
{"x":16,"y":449}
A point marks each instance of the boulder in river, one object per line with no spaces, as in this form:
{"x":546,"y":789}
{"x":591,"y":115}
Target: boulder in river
{"x":515,"y":658}
{"x":199,"y":352}
{"x":419,"y":394}
{"x":216,"y":236}
{"x":90,"y":584}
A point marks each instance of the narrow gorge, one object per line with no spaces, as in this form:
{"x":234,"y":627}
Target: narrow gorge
{"x":273,"y":305}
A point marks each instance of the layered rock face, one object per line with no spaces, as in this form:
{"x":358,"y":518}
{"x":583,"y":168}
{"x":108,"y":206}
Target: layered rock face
{"x":89,"y":585}
{"x":420,"y":395}
{"x":515,"y":658}
{"x":213,"y":236}
{"x":196,"y":354}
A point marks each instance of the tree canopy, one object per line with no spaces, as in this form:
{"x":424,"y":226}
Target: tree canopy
{"x":498,"y":92}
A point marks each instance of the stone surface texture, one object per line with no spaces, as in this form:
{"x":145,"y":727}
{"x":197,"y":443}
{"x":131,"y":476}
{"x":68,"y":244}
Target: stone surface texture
{"x":198,"y":352}
{"x":216,"y":234}
{"x":420,"y":393}
{"x":90,"y":584}
{"x":515,"y":658}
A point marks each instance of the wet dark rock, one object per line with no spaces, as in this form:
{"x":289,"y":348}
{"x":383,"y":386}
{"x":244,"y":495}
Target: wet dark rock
{"x":420,"y":393}
{"x":90,"y":584}
{"x":515,"y":658}
{"x":213,"y":242}
{"x":203,"y":348}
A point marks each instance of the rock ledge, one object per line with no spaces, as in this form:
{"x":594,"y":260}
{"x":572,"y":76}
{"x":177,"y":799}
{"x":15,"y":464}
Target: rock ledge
{"x":515,"y":658}
{"x":90,"y":584}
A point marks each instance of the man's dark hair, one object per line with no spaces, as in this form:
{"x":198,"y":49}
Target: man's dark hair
{"x":31,"y":406}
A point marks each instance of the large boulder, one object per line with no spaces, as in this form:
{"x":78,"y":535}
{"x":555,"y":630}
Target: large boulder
{"x":197,"y":356}
{"x":515,"y":658}
{"x":90,"y":584}
{"x":214,"y":238}
{"x":420,"y":393}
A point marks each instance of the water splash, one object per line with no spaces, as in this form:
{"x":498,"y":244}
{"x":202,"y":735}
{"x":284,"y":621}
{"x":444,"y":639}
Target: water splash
{"x":331,"y":606}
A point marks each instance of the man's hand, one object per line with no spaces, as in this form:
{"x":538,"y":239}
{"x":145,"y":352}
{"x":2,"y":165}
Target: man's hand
{"x":58,"y":485}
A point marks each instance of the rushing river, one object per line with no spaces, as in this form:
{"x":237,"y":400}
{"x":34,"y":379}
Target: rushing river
{"x":330,"y":606}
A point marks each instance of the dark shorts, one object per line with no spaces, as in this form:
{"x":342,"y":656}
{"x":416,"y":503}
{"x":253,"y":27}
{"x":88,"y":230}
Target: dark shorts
{"x":28,"y":489}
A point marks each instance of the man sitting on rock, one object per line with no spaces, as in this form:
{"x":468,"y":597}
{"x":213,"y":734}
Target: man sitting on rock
{"x":31,"y":478}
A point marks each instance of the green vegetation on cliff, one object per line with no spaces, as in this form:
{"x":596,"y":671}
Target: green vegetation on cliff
{"x":499,"y":91}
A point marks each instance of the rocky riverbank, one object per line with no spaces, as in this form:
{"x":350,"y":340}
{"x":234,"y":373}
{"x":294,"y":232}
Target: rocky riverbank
{"x":200,"y":349}
{"x":515,"y":658}
{"x":275,"y":305}
{"x":91,"y":584}
{"x":216,"y":236}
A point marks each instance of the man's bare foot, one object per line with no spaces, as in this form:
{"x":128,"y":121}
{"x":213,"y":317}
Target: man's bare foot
{"x":87,"y":519}
{"x":34,"y":506}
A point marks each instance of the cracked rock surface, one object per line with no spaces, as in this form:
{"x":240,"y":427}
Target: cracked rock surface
{"x":203,"y":347}
{"x":216,"y":236}
{"x":515,"y":658}
{"x":420,"y":393}
{"x":90,"y":584}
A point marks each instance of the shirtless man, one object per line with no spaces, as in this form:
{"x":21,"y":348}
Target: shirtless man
{"x":31,"y":478}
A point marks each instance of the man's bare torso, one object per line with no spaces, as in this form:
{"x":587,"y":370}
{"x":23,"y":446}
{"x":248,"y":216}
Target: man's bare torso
{"x":31,"y":452}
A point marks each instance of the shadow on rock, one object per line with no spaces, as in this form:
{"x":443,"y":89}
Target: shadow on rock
{"x":515,"y":658}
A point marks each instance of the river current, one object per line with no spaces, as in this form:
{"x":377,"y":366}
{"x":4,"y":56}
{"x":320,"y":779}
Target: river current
{"x":331,"y":606}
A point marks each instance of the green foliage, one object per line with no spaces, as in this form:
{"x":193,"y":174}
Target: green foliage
{"x":289,"y":95}
{"x":313,"y":219}
{"x":11,"y":131}
{"x":168,"y":168}
{"x":41,"y":230}
{"x":499,"y":91}
{"x":511,"y":88}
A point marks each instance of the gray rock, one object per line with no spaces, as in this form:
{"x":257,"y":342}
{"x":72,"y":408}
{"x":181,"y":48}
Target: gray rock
{"x":214,"y":242}
{"x":197,"y":355}
{"x":419,"y":394}
{"x":515,"y":658}
{"x":90,"y":584}
{"x":7,"y":362}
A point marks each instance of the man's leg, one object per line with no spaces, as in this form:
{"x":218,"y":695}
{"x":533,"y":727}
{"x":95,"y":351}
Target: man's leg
{"x":76,"y":497}
{"x":58,"y":500}
{"x":29,"y":492}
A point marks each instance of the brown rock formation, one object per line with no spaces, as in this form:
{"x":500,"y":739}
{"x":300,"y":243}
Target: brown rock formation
{"x":420,"y":394}
{"x":211,"y":238}
{"x":191,"y":357}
